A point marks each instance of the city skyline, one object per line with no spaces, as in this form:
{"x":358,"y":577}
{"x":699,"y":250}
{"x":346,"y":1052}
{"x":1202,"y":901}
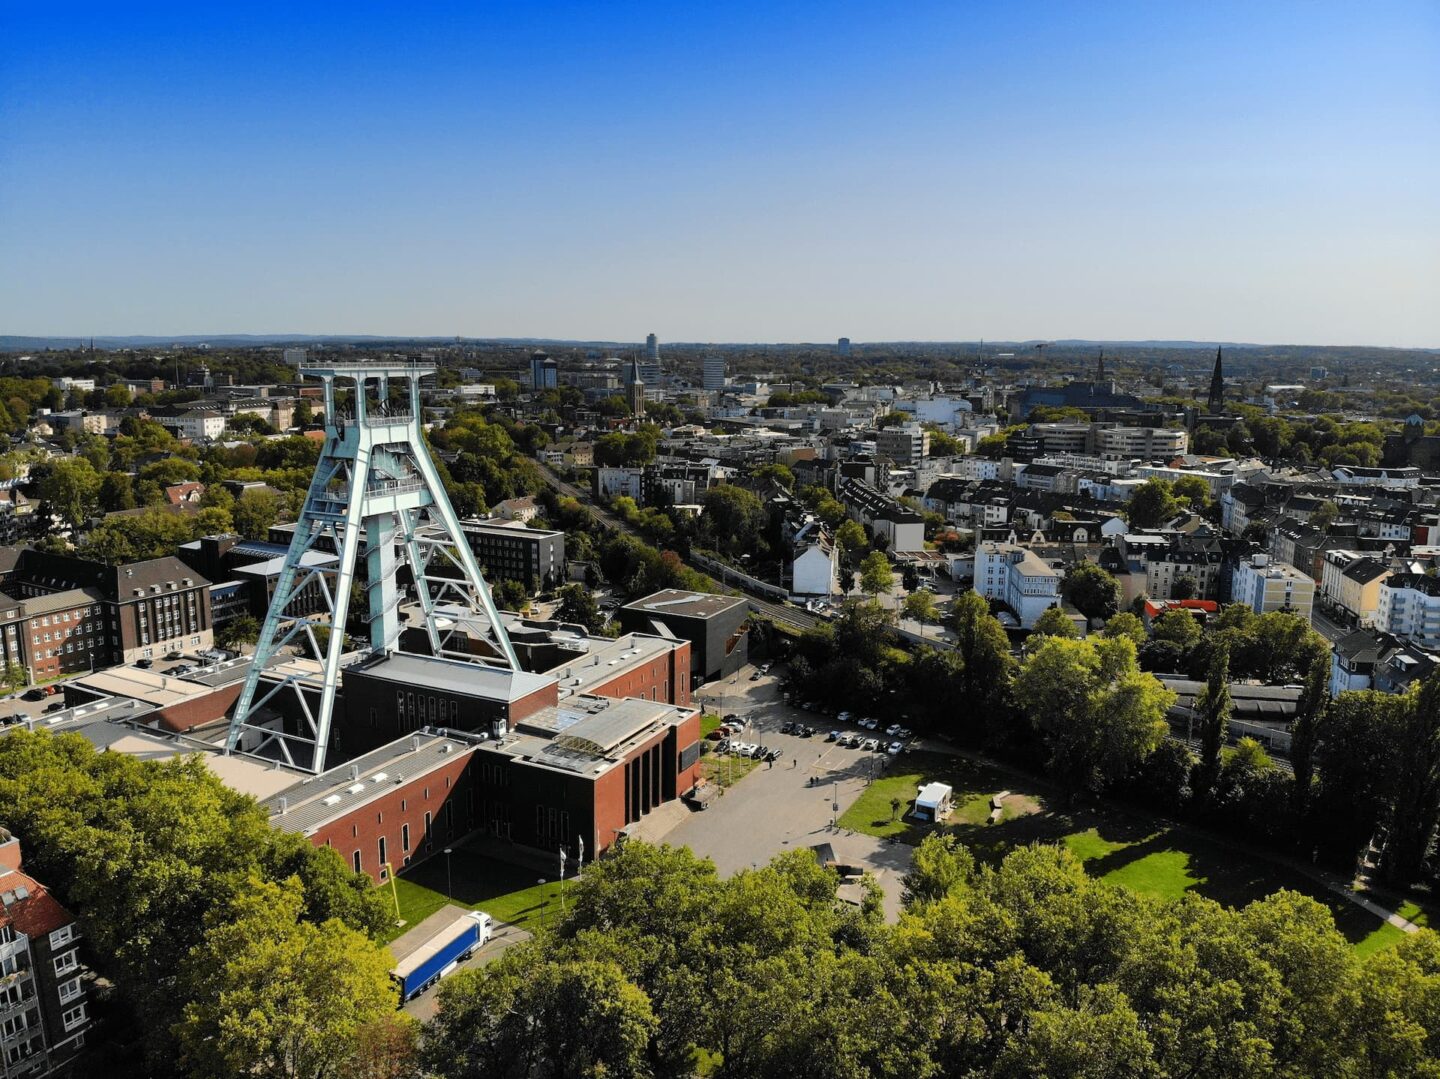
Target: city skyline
{"x":1026,"y":172}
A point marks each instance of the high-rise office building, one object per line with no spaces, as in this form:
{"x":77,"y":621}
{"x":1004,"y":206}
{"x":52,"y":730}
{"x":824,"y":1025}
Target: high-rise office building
{"x":652,"y":348}
{"x":544,"y":372}
{"x":714,"y":372}
{"x":294,"y":357}
{"x":843,"y":346}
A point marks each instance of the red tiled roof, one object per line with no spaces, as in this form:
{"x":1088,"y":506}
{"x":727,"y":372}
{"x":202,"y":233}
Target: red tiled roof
{"x":37,"y":915}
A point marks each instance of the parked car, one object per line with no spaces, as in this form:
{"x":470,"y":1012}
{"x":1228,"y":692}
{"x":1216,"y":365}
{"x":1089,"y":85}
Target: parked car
{"x":772,"y":754}
{"x":905,"y":734}
{"x":843,"y":717}
{"x":807,"y":732}
{"x":55,"y":706}
{"x":893,"y":730}
{"x":729,"y":717}
{"x":755,"y":677}
{"x":833,"y":736}
{"x":36,"y":694}
{"x":849,"y":741}
{"x":894,"y":748}
{"x":144,"y":664}
{"x":870,"y":745}
{"x":716,"y":735}
{"x":788,"y":727}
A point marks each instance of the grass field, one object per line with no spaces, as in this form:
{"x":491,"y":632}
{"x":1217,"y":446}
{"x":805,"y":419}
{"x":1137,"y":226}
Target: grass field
{"x":508,"y":893}
{"x":974,"y":785}
{"x":1116,"y":846}
{"x":708,"y":722}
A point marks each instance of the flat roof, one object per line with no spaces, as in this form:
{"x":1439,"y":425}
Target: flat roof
{"x":160,"y":690}
{"x":455,"y":675}
{"x":588,"y":735}
{"x":679,"y":601}
{"x":609,"y":658}
{"x":314,"y":801}
{"x":247,"y":775}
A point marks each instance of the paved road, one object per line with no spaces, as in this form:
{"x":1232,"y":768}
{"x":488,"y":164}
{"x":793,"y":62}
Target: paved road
{"x":1327,"y":626}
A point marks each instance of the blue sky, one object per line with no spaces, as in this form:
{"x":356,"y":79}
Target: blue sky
{"x":1265,"y":172}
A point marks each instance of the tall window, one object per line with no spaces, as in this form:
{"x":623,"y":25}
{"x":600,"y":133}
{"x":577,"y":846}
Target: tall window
{"x":357,"y":861}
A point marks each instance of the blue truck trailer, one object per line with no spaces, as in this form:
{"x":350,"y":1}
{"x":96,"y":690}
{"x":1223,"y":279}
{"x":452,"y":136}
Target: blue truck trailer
{"x":436,"y":947}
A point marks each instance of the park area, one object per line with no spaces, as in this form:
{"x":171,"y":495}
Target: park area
{"x":506,"y":892}
{"x":1148,"y":856}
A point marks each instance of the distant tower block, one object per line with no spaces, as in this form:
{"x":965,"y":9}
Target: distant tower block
{"x":652,"y":348}
{"x":375,"y":494}
{"x":842,"y":346}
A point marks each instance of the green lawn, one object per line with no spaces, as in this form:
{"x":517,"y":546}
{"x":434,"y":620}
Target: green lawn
{"x":974,"y":786}
{"x":708,"y":722}
{"x":1115,"y":845}
{"x":508,"y":893}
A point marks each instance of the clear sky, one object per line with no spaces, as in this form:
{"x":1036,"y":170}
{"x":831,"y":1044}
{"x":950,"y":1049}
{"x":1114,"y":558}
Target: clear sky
{"x":772,"y":172}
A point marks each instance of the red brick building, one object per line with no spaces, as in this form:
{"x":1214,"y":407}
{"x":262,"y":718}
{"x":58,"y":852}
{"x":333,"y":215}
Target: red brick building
{"x":542,"y":761}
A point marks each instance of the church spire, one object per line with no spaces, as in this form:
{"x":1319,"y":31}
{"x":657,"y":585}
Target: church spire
{"x":1100,"y":367}
{"x":1217,"y":387}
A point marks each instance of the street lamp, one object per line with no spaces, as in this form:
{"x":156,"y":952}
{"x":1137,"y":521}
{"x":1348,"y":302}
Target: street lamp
{"x":449,"y":886}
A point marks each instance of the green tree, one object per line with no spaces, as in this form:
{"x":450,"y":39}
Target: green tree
{"x":1309,"y":717}
{"x":1214,"y":708}
{"x":733,"y":518}
{"x":238,"y":631}
{"x":876,"y":576}
{"x":921,"y":607}
{"x":256,"y":510}
{"x":270,"y":993}
{"x":1093,"y":591}
{"x":850,"y":538}
{"x":1152,"y":504}
{"x":1053,"y":622}
{"x":71,"y":486}
{"x":526,"y":1014}
{"x":1193,"y":490}
{"x":1099,"y":715}
{"x":777,"y":472}
{"x":1415,"y":808}
{"x":14,"y":676}
{"x":1324,"y":515}
{"x":1126,"y":624}
{"x":577,"y":605}
{"x":117,"y":492}
{"x":1178,"y":627}
{"x":939,"y":866}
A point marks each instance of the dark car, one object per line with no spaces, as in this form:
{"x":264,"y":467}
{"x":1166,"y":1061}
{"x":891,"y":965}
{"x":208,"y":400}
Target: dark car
{"x":144,"y":664}
{"x":36,"y":694}
{"x":55,"y":706}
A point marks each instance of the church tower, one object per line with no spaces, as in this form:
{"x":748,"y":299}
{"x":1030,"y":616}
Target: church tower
{"x":1216,"y":401}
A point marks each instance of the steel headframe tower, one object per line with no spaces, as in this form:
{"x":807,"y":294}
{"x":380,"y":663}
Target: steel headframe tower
{"x":375,"y":494}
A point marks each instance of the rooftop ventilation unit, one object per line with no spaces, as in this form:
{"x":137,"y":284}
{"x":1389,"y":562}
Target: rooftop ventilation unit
{"x":330,"y":800}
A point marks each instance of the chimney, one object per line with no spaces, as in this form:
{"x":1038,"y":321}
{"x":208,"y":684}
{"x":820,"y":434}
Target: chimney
{"x":284,"y":803}
{"x":354,"y":772}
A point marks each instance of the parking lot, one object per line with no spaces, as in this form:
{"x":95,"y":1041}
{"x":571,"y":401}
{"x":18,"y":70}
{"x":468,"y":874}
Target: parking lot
{"x":792,"y":801}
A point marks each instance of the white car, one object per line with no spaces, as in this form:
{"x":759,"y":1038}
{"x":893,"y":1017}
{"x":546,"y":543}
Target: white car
{"x":894,"y":748}
{"x":893,"y":730}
